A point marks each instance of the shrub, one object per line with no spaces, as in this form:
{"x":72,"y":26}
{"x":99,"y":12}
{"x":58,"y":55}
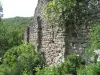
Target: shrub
{"x":47,"y":71}
{"x":94,"y":40}
{"x":20,"y":60}
{"x":70,"y":66}
{"x":91,"y":69}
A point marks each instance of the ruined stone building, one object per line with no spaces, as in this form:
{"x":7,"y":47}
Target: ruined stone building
{"x":53,"y":44}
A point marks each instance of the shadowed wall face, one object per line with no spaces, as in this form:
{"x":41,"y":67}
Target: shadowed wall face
{"x":28,"y":32}
{"x":39,"y":39}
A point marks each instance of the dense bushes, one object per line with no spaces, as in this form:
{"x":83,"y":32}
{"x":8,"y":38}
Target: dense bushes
{"x":70,"y":66}
{"x":11,"y":32}
{"x":16,"y":58}
{"x":20,"y":60}
{"x":94,"y":41}
{"x":90,"y":69}
{"x":73,"y":65}
{"x":47,"y":71}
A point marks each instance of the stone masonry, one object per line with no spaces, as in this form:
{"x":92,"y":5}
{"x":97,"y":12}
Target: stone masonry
{"x":55,"y":45}
{"x":45,"y":38}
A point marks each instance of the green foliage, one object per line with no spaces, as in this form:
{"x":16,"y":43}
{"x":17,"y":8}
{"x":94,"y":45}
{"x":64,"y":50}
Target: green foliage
{"x":16,"y":22}
{"x":58,"y":10}
{"x":47,"y":71}
{"x":91,"y":69}
{"x":93,"y":44}
{"x":68,"y":67}
{"x":94,"y":41}
{"x":71,"y":64}
{"x":95,"y":37}
{"x":11,"y":32}
{"x":20,"y":60}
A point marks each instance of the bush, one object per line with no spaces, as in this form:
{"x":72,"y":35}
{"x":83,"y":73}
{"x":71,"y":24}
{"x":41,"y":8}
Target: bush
{"x":20,"y":60}
{"x":91,"y":69}
{"x":47,"y":71}
{"x":11,"y":32}
{"x":94,"y":40}
{"x":71,"y":64}
{"x":68,"y":67}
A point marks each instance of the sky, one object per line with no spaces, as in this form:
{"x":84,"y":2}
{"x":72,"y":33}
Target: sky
{"x":23,"y":8}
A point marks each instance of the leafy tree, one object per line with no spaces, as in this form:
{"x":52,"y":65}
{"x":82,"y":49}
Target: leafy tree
{"x":11,"y":32}
{"x":72,"y":12}
{"x":20,"y":60}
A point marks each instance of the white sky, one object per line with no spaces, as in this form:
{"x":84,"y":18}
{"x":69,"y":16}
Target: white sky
{"x":24,"y":8}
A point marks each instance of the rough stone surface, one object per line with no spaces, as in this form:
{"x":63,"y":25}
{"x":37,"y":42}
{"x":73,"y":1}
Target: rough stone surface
{"x":53,"y":44}
{"x":97,"y":52}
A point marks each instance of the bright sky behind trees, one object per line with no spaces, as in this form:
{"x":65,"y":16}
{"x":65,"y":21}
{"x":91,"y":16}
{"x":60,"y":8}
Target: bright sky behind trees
{"x":24,"y":8}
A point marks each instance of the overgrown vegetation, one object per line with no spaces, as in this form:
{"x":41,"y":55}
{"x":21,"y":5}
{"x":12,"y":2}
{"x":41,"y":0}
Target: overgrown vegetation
{"x":94,"y":41}
{"x":17,"y":58}
{"x":20,"y":60}
{"x":71,"y":14}
{"x":11,"y":32}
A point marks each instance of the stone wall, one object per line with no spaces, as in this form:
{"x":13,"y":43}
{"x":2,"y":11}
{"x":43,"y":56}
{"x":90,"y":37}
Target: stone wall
{"x":52,"y":43}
